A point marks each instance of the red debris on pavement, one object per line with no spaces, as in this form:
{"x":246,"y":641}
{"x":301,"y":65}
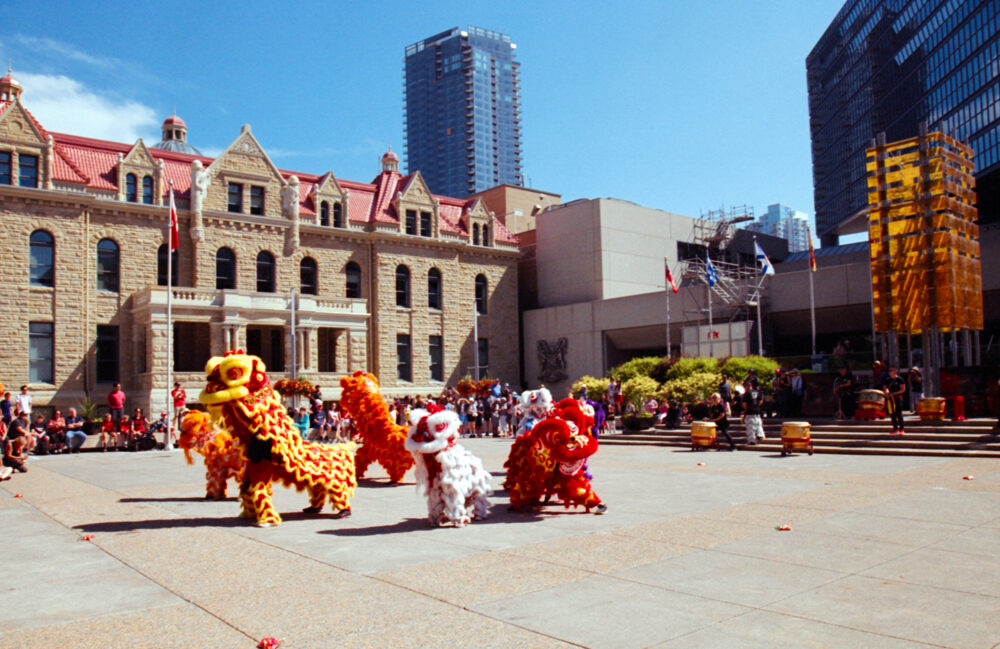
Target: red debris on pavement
{"x":784,"y":528}
{"x":268,"y":643}
{"x":968,"y":477}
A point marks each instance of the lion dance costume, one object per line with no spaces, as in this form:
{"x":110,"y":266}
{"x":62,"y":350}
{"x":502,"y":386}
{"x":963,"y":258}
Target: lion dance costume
{"x":241,"y":403}
{"x":549,"y":459}
{"x":383,"y":440}
{"x":223,"y":456}
{"x":456,"y":484}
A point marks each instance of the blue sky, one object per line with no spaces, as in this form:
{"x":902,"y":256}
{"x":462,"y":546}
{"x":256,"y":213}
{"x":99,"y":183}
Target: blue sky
{"x":682,"y":106}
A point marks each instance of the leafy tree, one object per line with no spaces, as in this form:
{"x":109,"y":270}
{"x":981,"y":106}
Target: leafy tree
{"x":641,"y":366}
{"x":737,"y":369}
{"x":637,"y":389}
{"x":685,"y":367}
{"x":690,"y":389}
{"x":596,"y":388}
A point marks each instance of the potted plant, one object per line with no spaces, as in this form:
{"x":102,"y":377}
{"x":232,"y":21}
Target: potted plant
{"x":88,"y":410}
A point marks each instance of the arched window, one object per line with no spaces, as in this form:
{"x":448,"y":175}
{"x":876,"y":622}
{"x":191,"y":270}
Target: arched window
{"x":161,"y":266}
{"x":482,"y":291}
{"x":43,"y":248}
{"x":338,"y":217}
{"x":131,"y":189}
{"x":486,"y":235}
{"x":475,"y":234}
{"x":147,"y":190}
{"x":352,"y":273}
{"x":402,"y":286}
{"x":434,"y":288}
{"x":265,"y":272}
{"x":324,"y":213}
{"x":307,"y":276}
{"x":225,"y":269}
{"x":107,"y":265}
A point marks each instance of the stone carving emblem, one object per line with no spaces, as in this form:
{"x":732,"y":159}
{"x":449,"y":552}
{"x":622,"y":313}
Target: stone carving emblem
{"x":552,"y":359}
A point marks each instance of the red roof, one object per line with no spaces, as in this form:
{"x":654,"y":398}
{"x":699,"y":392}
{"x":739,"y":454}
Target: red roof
{"x":93,"y":162}
{"x":174,"y":120}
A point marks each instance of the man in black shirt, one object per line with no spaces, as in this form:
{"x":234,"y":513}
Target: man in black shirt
{"x":894,"y":387}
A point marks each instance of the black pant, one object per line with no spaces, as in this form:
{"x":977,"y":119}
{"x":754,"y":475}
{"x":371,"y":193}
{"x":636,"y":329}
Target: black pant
{"x":896,"y":413}
{"x":723,"y":427}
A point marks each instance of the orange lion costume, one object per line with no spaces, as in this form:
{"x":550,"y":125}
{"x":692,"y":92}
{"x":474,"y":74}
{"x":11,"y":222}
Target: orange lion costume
{"x":223,"y":456}
{"x":549,"y":460}
{"x":383,"y":440}
{"x":241,"y":403}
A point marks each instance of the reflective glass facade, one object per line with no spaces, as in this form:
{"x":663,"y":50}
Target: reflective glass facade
{"x":463,"y":129}
{"x":886,"y":66}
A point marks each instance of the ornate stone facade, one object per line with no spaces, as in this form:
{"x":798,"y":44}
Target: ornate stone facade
{"x":75,"y":319}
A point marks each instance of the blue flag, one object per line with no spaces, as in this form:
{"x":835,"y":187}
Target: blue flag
{"x":765,"y":263}
{"x":710,"y":275}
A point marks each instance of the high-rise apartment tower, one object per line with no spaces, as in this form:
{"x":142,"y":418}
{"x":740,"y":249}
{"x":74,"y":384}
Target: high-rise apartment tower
{"x":888,"y":66}
{"x":463,"y":121}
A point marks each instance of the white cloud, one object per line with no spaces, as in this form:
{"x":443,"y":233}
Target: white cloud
{"x":50,"y":47}
{"x":65,"y":105}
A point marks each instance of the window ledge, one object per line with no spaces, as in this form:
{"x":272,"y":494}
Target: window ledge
{"x":35,"y":288}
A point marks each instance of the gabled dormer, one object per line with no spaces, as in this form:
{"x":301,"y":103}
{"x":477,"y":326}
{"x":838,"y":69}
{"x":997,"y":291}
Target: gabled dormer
{"x":25,"y":148}
{"x":479,"y":223}
{"x":330,"y":202}
{"x":140,"y":177}
{"x":416,"y":208}
{"x":244,"y":180}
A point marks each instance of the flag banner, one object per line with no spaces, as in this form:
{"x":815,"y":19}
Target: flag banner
{"x":765,"y":263}
{"x":812,"y":253}
{"x":710,"y":275}
{"x":670,"y":277}
{"x":174,"y":238}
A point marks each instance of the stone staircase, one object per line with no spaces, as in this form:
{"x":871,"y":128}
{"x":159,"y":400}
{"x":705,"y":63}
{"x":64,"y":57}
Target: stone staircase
{"x":972,"y":438}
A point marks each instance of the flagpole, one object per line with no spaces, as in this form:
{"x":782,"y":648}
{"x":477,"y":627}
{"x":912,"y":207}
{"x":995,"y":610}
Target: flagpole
{"x":475,"y":338}
{"x":812,"y":310}
{"x":667,"y":292}
{"x":711,"y":341}
{"x":170,"y":327}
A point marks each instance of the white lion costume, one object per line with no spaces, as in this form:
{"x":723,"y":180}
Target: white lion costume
{"x":456,"y":484}
{"x":535,"y":404}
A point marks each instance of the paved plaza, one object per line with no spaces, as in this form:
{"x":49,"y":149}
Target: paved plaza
{"x":883,"y":552}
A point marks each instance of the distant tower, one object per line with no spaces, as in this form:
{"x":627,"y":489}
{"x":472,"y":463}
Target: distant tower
{"x":463,"y":116}
{"x":175,"y":137}
{"x":10,"y":89}
{"x":390,"y":161}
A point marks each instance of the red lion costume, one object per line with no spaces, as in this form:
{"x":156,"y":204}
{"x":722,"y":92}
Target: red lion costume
{"x":549,"y":460}
{"x":223,"y":455}
{"x":383,"y":440}
{"x":241,"y":403}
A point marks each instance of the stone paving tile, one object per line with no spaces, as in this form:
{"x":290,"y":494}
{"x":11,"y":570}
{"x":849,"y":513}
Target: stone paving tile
{"x":917,"y":613}
{"x":691,"y":531}
{"x":952,"y":570}
{"x":916,"y":533}
{"x":455,"y":628}
{"x":599,"y":552}
{"x":483,"y":577}
{"x":730,"y":578}
{"x":767,"y":630}
{"x":841,"y":554}
{"x":179,"y":626}
{"x":969,"y":508}
{"x":601,"y":612}
{"x":764,"y":514}
{"x":981,"y":540}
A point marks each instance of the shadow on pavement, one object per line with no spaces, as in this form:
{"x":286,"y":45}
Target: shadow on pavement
{"x":178,"y":499}
{"x":163,"y":523}
{"x":415,"y":524}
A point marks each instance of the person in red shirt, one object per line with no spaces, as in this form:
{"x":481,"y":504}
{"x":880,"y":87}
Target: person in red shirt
{"x":116,"y":402}
{"x":109,"y":429}
{"x":180,"y":402}
{"x":57,"y":432}
{"x":139,"y":427}
{"x":125,"y":431}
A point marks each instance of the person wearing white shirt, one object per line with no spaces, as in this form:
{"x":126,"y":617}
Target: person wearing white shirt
{"x":23,"y":401}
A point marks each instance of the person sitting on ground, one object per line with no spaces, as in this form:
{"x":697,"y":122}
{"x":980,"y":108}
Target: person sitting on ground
{"x":109,"y":432}
{"x":14,"y":453}
{"x":75,"y":437}
{"x":40,"y":434}
{"x":125,"y":430}
{"x":56,"y":430}
{"x":140,"y":428}
{"x":718,"y":411}
{"x":20,"y":427}
{"x":302,"y":422}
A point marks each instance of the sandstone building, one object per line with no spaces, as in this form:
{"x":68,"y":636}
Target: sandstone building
{"x":386,"y":276}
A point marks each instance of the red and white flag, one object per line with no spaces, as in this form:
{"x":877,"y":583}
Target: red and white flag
{"x":670,"y":277}
{"x":174,"y":238}
{"x":812,"y":253}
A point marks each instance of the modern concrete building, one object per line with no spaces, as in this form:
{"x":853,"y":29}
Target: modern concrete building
{"x":463,"y":116}
{"x":385,"y":276}
{"x":517,"y":207}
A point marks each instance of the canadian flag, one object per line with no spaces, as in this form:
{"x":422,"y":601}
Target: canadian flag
{"x":174,"y":238}
{"x":670,"y":277}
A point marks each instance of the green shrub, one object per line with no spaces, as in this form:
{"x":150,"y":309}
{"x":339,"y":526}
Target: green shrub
{"x":637,"y":389}
{"x":685,"y":367}
{"x":695,"y":387}
{"x":641,"y":366}
{"x":596,"y":388}
{"x":737,"y":368}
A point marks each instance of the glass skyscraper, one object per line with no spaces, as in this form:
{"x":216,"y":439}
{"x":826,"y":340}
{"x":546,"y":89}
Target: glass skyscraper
{"x":463,"y":122}
{"x":887,"y":66}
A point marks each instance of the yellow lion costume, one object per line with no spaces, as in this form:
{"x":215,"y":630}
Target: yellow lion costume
{"x":241,"y":403}
{"x":223,"y":456}
{"x":383,"y":440}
